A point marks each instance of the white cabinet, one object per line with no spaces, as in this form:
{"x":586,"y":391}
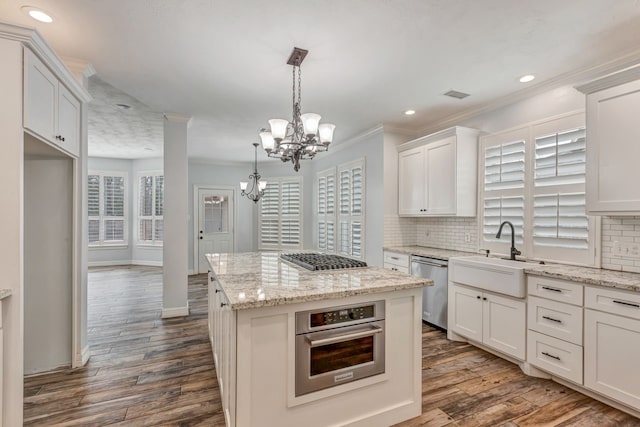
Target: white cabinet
{"x":50,"y":110}
{"x":437,"y":174}
{"x":612,"y":143}
{"x":612,"y":344}
{"x":555,"y":327}
{"x":396,"y":261}
{"x":495,"y":321}
{"x":222,"y":333}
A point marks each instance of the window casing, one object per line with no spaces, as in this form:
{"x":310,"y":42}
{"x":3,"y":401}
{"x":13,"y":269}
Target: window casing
{"x":150,"y":208}
{"x":107,"y":208}
{"x":534,"y":177}
{"x":340,"y":207}
{"x":280,"y":214}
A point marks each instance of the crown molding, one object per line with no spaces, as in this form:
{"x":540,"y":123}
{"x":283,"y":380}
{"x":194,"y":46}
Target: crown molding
{"x":31,"y":38}
{"x":400,"y":131}
{"x":79,"y":66}
{"x":572,"y":78}
{"x":610,"y":80}
{"x":178,"y":118}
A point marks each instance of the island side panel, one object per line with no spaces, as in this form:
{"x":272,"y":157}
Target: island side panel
{"x":265,"y":369}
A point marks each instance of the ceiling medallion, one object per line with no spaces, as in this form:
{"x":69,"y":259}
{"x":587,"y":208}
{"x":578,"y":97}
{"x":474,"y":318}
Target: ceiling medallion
{"x":303,"y":137}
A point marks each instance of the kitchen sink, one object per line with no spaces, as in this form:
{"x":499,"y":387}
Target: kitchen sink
{"x":499,"y":275}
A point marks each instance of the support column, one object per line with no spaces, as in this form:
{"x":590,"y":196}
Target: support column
{"x":176,"y":217}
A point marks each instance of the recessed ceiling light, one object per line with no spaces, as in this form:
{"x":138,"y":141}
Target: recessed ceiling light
{"x":527,"y":78}
{"x":410,"y":112}
{"x":37,"y":14}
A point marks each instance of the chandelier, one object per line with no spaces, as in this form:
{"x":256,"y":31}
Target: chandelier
{"x":303,"y":137}
{"x":257,"y":187}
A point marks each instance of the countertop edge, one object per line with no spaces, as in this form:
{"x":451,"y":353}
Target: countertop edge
{"x":273,"y":302}
{"x":584,"y":280}
{"x":4,"y":293}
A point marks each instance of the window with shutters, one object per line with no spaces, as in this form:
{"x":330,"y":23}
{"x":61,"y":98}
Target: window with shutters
{"x":150,"y":207}
{"x":340,"y":210}
{"x":107,"y":208}
{"x":326,"y":210}
{"x":535,"y":178}
{"x":280,"y":217}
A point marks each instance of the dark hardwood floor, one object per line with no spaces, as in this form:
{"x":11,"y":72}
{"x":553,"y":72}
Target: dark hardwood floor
{"x":145,"y":371}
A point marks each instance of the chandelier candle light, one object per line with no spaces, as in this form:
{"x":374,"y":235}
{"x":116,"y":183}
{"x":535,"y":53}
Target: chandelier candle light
{"x":257,"y":186}
{"x":304,"y":136}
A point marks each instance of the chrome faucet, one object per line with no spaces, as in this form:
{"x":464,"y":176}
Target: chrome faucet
{"x":514,"y":251}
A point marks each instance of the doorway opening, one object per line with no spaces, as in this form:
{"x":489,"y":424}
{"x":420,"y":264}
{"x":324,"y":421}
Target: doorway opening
{"x":214,"y":207}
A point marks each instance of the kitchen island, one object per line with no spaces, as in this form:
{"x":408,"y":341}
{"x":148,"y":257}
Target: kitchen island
{"x":272,"y":374}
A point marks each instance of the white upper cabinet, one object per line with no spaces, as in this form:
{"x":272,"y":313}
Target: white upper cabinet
{"x":50,"y":110}
{"x":612,"y":143}
{"x":437,"y":174}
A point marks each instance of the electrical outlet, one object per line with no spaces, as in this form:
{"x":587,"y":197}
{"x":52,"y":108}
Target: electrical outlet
{"x":427,"y":233}
{"x":617,"y":248}
{"x":633,"y":250}
{"x":467,"y":237}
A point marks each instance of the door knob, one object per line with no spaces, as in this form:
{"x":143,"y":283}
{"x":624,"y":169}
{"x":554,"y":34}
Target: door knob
{"x":200,"y":237}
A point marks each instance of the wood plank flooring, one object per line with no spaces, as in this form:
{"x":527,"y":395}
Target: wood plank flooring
{"x":145,"y":371}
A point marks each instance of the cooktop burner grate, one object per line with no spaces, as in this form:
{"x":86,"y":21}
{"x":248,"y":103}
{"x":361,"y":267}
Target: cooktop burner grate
{"x":313,"y":261}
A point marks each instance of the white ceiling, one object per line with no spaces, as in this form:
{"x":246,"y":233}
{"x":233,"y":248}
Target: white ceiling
{"x":224,"y":62}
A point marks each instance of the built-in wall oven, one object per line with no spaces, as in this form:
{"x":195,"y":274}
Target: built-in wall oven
{"x":338,"y":345}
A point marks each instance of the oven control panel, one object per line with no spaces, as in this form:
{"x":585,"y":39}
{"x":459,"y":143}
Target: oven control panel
{"x":341,"y":315}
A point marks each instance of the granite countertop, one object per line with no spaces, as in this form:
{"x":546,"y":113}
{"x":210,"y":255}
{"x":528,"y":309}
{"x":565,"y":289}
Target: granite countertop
{"x":4,"y":293}
{"x":587,"y":275}
{"x":261,"y":279}
{"x":429,"y":252}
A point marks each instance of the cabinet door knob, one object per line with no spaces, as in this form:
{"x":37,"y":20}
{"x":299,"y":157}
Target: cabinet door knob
{"x":62,"y":138}
{"x":222,"y":304}
{"x":484,"y":298}
{"x":478,"y":297}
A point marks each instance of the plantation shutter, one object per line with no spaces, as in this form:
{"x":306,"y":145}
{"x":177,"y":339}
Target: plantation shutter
{"x":326,"y":191}
{"x":93,"y":201}
{"x":281,"y":214}
{"x":504,"y":181}
{"x":559,"y":202}
{"x":150,"y":208}
{"x":351,"y":209}
{"x":113,"y":208}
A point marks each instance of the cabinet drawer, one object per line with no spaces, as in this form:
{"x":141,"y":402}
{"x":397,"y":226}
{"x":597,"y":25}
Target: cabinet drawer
{"x":555,"y":289}
{"x":556,"y":319}
{"x":555,"y":356}
{"x":395,"y":267}
{"x":613,"y":301}
{"x":400,"y":260}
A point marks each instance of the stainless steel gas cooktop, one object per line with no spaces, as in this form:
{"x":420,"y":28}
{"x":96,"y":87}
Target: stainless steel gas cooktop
{"x":314,"y":261}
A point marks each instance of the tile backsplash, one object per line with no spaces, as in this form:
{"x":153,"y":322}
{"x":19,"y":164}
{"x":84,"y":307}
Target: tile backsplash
{"x":441,"y":232}
{"x":451,"y":233}
{"x":624,"y":230}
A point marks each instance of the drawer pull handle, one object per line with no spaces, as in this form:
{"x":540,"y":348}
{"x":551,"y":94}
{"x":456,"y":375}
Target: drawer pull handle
{"x":547,"y":288}
{"x":550,"y":355}
{"x":552,"y":319}
{"x":627,"y":303}
{"x":395,"y":257}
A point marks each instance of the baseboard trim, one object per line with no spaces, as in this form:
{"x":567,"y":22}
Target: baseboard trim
{"x":190,"y":272}
{"x":108,"y":263}
{"x":85,"y":355}
{"x":147,"y":263}
{"x":124,"y":262}
{"x":175,"y":312}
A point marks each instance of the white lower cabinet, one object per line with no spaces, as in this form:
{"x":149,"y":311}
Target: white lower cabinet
{"x":396,"y":261}
{"x":612,"y":353}
{"x":222,"y":333}
{"x":555,"y":356}
{"x":496,"y":321}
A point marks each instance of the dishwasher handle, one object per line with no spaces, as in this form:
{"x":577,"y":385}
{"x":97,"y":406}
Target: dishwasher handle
{"x":431,"y":263}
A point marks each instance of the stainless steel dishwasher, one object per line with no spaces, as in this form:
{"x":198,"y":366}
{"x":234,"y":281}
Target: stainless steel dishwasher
{"x":434,"y":298}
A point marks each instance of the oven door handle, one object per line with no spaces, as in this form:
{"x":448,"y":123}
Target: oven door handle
{"x":372,"y":330}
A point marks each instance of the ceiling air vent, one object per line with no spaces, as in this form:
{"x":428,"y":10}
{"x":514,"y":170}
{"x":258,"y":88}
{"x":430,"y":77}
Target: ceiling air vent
{"x":456,"y":94}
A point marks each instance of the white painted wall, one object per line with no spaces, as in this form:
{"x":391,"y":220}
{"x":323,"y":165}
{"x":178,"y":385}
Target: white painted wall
{"x":11,"y":228}
{"x":48,"y":207}
{"x":176,"y":216}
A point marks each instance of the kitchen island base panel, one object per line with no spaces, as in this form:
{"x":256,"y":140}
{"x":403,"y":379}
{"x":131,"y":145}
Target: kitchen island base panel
{"x":265,"y":370}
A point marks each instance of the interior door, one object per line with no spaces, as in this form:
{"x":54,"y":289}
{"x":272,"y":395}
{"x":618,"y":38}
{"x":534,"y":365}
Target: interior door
{"x":215,"y":224}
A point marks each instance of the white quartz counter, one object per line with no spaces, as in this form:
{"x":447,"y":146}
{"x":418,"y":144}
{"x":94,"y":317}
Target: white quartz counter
{"x":4,"y":293}
{"x":428,"y":252}
{"x":261,"y":279}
